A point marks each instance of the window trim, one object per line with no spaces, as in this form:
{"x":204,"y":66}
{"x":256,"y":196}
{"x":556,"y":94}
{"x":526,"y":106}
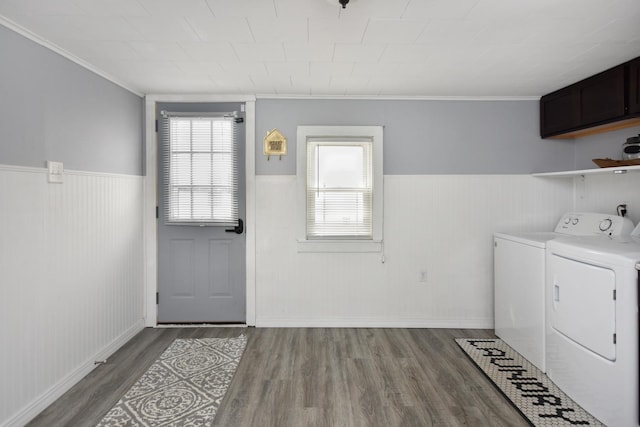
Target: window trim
{"x":375,"y":133}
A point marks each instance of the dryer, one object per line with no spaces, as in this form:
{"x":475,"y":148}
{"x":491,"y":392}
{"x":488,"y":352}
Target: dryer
{"x":592,"y":324}
{"x":519,"y":279}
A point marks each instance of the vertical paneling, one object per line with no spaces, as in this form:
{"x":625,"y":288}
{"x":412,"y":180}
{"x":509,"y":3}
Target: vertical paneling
{"x":602,"y":193}
{"x":440,"y":224}
{"x":71,"y":280}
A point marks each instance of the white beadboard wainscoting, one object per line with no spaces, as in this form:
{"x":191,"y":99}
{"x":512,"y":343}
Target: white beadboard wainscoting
{"x":439,"y":225}
{"x":71,"y":291}
{"x":603,"y":192}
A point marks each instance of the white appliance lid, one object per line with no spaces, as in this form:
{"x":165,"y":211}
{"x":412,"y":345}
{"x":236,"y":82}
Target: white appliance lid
{"x":536,"y":239}
{"x":617,"y":250}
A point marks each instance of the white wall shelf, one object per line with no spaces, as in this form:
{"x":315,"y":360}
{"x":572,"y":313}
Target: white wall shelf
{"x":598,"y":171}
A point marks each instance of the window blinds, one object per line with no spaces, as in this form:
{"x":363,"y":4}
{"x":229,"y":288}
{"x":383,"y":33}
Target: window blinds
{"x":339,"y":188}
{"x":201,"y":169}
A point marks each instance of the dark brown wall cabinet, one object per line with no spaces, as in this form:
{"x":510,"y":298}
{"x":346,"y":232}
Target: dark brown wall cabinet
{"x":609,"y":100}
{"x":634,"y":86}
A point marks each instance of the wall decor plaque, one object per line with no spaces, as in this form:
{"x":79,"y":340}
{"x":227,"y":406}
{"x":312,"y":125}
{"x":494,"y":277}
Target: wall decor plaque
{"x":275,"y":144}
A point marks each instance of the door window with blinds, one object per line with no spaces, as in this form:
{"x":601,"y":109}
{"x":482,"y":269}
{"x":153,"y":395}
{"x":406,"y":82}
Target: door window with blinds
{"x":341,"y":168}
{"x":201,"y":167}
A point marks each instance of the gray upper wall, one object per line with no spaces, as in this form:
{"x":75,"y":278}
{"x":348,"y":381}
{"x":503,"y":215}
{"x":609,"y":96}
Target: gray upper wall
{"x":425,"y":137}
{"x":54,"y":109}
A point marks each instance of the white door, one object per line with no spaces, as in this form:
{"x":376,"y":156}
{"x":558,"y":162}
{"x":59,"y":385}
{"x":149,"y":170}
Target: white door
{"x":201,"y":251}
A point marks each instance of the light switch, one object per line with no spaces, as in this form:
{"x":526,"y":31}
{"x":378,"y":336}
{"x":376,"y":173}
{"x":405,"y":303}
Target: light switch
{"x":56,"y":172}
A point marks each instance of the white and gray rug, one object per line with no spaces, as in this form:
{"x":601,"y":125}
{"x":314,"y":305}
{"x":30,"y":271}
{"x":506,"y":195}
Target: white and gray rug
{"x":184,"y":387}
{"x":528,"y":388}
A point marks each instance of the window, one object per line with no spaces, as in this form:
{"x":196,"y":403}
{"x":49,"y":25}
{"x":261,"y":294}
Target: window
{"x":340,"y":188}
{"x":201,"y":168}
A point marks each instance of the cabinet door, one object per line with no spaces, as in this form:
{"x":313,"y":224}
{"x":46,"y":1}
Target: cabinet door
{"x":634,"y":86}
{"x":602,"y":97}
{"x":559,"y":111}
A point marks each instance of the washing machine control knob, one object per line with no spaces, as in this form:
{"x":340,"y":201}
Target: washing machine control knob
{"x":605,"y":224}
{"x":567,"y":220}
{"x":575,"y":221}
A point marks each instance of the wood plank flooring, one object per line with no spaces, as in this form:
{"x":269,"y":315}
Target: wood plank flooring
{"x":316,"y":377}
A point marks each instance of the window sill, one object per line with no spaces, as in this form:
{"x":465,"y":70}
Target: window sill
{"x":338,"y":246}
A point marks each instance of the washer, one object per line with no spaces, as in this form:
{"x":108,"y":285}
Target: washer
{"x":592,"y":324}
{"x":519,"y":279}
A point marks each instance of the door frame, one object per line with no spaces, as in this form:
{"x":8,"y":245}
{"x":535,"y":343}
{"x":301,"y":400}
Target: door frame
{"x":150,"y":230}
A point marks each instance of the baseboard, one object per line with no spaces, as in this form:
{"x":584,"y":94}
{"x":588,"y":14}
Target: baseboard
{"x":39,"y":404}
{"x":281,"y":322}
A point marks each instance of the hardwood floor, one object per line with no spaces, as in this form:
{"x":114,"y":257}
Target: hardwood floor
{"x":316,"y":377}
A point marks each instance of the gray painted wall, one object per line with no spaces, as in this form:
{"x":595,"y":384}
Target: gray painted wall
{"x":54,"y":109}
{"x":425,"y":137}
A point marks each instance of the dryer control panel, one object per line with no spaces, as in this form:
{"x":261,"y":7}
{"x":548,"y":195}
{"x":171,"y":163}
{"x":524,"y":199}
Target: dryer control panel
{"x":593,"y":224}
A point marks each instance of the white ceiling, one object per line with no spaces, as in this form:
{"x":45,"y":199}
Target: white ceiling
{"x":390,"y":48}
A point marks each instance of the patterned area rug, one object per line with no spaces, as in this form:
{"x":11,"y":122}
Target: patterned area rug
{"x":528,"y":388}
{"x":184,"y":387}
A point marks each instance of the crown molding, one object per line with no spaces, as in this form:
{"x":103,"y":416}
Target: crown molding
{"x":62,"y":52}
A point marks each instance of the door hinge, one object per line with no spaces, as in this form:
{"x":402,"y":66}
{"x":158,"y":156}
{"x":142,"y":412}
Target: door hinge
{"x":614,"y":338}
{"x":157,"y":298}
{"x":156,"y":126}
{"x":614,"y":294}
{"x":158,"y":214}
